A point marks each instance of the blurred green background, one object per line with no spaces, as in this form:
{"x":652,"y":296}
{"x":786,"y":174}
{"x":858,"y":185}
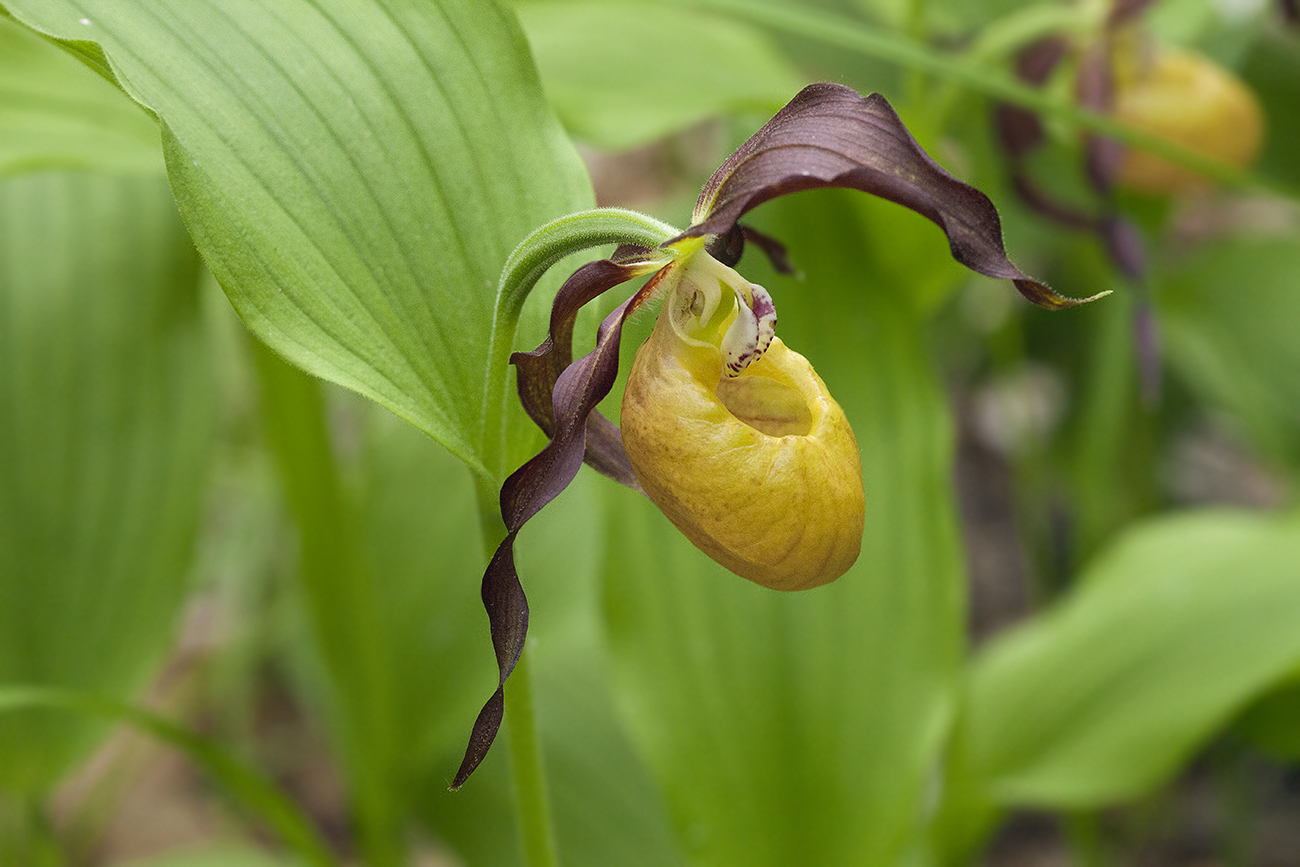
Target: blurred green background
{"x":240,"y":620}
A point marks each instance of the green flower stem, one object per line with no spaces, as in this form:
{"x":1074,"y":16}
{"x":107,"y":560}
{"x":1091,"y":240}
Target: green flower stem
{"x":910,"y":54}
{"x":536,"y":833}
{"x":543,"y":248}
{"x":536,"y":830}
{"x":246,"y":786}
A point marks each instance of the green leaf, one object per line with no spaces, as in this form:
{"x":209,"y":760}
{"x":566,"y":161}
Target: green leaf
{"x":105,"y":434}
{"x":621,"y":74}
{"x":1272,"y":69}
{"x":355,"y":173}
{"x":56,"y":114}
{"x":1227,"y":320}
{"x":1172,"y":632}
{"x":804,"y":727}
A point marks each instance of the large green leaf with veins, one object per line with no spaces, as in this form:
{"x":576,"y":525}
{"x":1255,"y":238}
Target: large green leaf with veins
{"x":105,"y":432}
{"x":355,"y":173}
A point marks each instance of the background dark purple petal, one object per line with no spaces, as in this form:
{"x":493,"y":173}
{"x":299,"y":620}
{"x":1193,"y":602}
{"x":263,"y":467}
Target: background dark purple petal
{"x":830,"y":136}
{"x":1019,"y":130}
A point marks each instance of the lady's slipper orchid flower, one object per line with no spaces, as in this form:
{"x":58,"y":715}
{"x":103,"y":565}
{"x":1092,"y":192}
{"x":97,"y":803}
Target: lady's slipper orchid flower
{"x":728,"y":431}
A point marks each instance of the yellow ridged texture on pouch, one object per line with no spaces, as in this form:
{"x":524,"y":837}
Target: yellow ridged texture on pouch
{"x":761,"y":471}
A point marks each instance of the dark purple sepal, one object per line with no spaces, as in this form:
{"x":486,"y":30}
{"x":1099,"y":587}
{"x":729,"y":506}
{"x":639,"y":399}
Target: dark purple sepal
{"x":578,"y":390}
{"x":729,"y":247}
{"x":830,"y":136}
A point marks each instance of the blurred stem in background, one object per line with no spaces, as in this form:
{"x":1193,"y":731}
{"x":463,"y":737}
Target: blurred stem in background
{"x":1114,"y":475}
{"x":917,"y":81}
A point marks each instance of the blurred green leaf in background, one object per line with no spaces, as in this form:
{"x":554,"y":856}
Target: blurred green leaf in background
{"x":106,"y":411}
{"x":354,"y":174}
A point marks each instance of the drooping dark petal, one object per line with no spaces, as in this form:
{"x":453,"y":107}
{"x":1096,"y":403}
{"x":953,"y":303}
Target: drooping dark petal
{"x":578,"y":390}
{"x":830,"y":136}
{"x":539,"y":370}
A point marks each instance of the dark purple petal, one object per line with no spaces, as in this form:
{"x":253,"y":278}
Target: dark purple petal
{"x":1124,"y":244}
{"x":1035,"y":63}
{"x":829,"y":136}
{"x":1019,"y":129}
{"x":539,"y":370}
{"x":578,"y":390}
